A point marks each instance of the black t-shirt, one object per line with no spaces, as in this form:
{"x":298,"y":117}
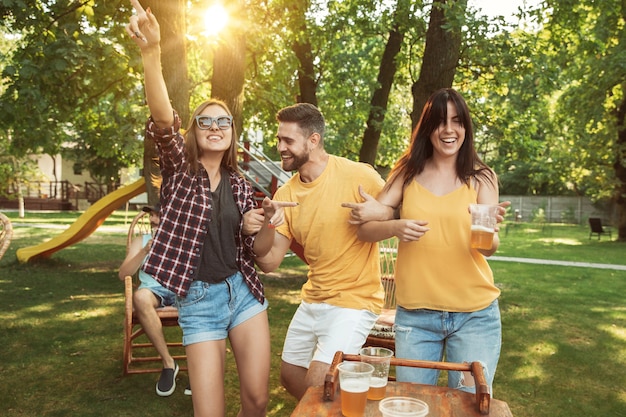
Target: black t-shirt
{"x":219,"y":252}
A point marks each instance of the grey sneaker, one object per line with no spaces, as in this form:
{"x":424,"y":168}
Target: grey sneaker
{"x":167,"y":381}
{"x":188,"y":390}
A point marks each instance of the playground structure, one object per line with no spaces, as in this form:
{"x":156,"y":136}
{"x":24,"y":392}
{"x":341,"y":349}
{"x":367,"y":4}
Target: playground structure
{"x":265,"y":175}
{"x":85,"y":225}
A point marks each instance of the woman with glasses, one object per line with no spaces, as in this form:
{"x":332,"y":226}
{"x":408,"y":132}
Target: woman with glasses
{"x":447,"y":302}
{"x":199,"y":251}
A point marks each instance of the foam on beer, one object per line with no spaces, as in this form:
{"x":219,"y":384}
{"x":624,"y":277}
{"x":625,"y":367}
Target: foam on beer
{"x":480,"y":228}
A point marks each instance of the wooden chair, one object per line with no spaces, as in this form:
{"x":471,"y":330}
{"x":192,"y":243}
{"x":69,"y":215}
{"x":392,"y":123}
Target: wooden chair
{"x":132,"y":328}
{"x":6,"y":234}
{"x":483,"y":397}
{"x":596,"y":228}
{"x":382,"y":334}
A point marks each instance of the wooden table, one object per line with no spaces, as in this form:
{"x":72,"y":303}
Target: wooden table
{"x":442,"y":402}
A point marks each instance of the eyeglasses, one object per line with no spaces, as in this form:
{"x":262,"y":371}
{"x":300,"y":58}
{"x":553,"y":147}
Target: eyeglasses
{"x":223,"y":122}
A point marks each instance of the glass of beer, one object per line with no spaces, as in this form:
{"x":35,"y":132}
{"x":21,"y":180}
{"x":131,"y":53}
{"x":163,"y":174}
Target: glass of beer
{"x":354,"y":381}
{"x":483,"y":225}
{"x":379,"y":358}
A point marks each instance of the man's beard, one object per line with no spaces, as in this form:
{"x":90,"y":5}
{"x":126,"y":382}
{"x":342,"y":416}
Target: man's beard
{"x":295,"y":162}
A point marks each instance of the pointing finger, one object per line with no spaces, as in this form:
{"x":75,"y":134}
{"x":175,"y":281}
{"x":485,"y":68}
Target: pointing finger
{"x":285,"y":203}
{"x":137,"y":6}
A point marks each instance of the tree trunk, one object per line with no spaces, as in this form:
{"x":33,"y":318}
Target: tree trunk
{"x":441,"y":55}
{"x":306,"y":72}
{"x":620,"y":169}
{"x":171,"y":17}
{"x":380,"y":99}
{"x":229,"y":63}
{"x":301,"y":46}
{"x":229,"y":66}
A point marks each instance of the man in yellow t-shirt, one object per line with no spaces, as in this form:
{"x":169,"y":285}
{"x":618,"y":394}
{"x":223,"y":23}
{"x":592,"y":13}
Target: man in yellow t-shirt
{"x":343,"y":295}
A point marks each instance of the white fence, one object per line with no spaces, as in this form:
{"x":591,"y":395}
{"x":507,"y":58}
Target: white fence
{"x":560,"y":209}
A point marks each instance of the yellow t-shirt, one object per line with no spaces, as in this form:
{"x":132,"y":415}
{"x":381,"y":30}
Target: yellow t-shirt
{"x":440,"y":271}
{"x":343,"y":271}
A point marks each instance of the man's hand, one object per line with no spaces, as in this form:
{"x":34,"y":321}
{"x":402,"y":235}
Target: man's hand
{"x":273,"y":210}
{"x":370,"y":209}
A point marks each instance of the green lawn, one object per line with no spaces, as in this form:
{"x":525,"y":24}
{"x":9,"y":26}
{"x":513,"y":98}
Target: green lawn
{"x":564,"y":347}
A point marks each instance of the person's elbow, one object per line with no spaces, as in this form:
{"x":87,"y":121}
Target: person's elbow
{"x":267,"y":263}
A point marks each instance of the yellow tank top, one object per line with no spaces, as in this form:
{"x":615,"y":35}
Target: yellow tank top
{"x":441,"y":271}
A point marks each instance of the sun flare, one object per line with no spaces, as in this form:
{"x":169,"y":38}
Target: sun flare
{"x":214,"y":19}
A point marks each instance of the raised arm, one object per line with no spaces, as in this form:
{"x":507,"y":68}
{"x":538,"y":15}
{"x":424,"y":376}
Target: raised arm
{"x":144,"y":29}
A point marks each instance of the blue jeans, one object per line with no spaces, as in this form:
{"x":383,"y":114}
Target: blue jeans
{"x":163,"y":295}
{"x":211,"y":311}
{"x":462,"y":337}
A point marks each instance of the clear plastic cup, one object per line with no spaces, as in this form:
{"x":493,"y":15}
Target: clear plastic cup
{"x":403,"y":407}
{"x":483,"y":225}
{"x":380,"y":358}
{"x":354,"y":382}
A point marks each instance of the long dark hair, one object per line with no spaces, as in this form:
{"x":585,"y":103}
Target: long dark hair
{"x":229,"y":159}
{"x":413,"y":161}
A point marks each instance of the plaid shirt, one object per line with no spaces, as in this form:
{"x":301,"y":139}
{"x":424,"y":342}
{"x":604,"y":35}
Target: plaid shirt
{"x":186,"y":207}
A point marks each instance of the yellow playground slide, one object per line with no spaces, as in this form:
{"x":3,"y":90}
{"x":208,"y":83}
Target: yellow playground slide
{"x":85,"y":225}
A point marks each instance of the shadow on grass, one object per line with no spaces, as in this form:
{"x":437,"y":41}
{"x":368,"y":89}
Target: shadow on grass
{"x":563,"y":355}
{"x":61,"y":331}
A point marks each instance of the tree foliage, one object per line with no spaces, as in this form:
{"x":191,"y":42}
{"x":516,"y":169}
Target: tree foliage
{"x":547,"y":96}
{"x":68,"y":82}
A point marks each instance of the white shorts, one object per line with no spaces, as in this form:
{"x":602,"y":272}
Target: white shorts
{"x":319,"y":330}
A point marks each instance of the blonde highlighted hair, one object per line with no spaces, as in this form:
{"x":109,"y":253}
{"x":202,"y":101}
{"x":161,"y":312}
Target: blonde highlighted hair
{"x":229,"y":160}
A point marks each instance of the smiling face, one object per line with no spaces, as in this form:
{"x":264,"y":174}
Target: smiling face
{"x":449,"y":136}
{"x":292,"y":146}
{"x":213,"y":138}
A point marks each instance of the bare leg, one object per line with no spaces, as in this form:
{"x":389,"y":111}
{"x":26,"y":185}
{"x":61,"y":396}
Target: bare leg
{"x":297,"y":379}
{"x":145,"y":303}
{"x":206,"y":362}
{"x":251,"y":345}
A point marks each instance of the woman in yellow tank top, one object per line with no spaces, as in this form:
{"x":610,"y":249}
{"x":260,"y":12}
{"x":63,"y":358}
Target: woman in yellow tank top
{"x":447,"y":300}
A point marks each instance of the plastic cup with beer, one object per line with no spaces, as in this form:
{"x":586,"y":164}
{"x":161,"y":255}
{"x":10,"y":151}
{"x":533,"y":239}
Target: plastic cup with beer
{"x":354,"y":381}
{"x":483,"y":225}
{"x":378,"y":357}
{"x":403,"y":407}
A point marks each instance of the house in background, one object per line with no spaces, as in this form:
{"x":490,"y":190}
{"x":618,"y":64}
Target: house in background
{"x":72,"y":188}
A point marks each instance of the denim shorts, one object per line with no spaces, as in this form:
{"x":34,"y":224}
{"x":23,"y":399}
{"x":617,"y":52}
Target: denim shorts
{"x":462,"y":337}
{"x":165,"y":296}
{"x":210,"y":311}
{"x":318,"y":330}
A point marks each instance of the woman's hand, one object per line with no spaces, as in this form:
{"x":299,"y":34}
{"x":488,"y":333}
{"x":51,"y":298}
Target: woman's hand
{"x":409,"y":230}
{"x":500,"y":214}
{"x":143,"y":27}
